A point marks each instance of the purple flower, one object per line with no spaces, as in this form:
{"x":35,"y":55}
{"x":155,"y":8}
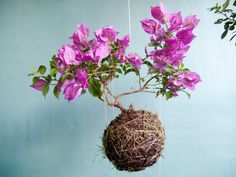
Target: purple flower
{"x":135,"y":60}
{"x":79,"y":38}
{"x":190,"y":22}
{"x":101,"y":51}
{"x":175,"y":51}
{"x":72,"y":90}
{"x":159,"y":58}
{"x":122,"y":45}
{"x":39,"y":84}
{"x":82,"y":78}
{"x":123,"y":42}
{"x":175,"y":21}
{"x":185,"y":36}
{"x":174,"y":85}
{"x":74,"y":87}
{"x":175,"y":45}
{"x":159,"y":36}
{"x":189,"y":79}
{"x":150,"y":26}
{"x":160,"y":13}
{"x":68,"y":55}
{"x":107,"y":34}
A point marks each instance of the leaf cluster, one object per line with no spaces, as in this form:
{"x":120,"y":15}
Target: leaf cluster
{"x":228,"y":18}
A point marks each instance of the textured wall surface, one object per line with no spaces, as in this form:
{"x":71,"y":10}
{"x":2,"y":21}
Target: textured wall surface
{"x":49,"y":138}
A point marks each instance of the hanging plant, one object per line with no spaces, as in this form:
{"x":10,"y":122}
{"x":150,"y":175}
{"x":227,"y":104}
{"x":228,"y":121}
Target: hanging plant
{"x":228,"y":18}
{"x":134,"y":140}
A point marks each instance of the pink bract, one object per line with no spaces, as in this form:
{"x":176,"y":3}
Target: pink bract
{"x":39,"y":84}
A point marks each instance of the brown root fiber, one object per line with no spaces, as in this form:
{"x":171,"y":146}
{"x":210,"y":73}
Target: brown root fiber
{"x":134,"y":140}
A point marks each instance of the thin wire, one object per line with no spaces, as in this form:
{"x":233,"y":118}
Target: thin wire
{"x":129,"y":9}
{"x":160,"y":117}
{"x":113,"y":91}
{"x":105,"y":110}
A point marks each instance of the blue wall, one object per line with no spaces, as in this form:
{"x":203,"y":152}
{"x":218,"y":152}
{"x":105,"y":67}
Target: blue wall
{"x":49,"y":138}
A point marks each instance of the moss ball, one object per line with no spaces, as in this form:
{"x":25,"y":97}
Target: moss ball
{"x":134,"y":140}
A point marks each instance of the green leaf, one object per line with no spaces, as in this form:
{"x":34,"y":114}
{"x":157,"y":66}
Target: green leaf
{"x":119,"y":70}
{"x":53,"y":72}
{"x":181,"y":66}
{"x":232,"y":37}
{"x":42,"y":69}
{"x":56,"y":92}
{"x":169,"y":69}
{"x":83,"y":92}
{"x":30,"y":74}
{"x":225,"y":5}
{"x":35,"y":80}
{"x":232,"y":28}
{"x":164,"y":80}
{"x":65,"y":77}
{"x":224,"y":34}
{"x":188,"y":94}
{"x":169,"y":95}
{"x":226,"y":26}
{"x":219,"y":21}
{"x":148,"y":63}
{"x":95,"y":88}
{"x":129,"y":70}
{"x":136,"y":71}
{"x":52,"y":64}
{"x":53,"y":57}
{"x":234,"y":3}
{"x":48,"y":78}
{"x":45,"y":89}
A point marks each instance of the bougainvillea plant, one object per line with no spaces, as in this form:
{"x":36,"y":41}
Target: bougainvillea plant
{"x":91,"y":63}
{"x":228,"y":17}
{"x":134,"y":140}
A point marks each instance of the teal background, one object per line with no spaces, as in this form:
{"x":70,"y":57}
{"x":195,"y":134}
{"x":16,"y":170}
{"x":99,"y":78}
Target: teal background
{"x":50,"y":138}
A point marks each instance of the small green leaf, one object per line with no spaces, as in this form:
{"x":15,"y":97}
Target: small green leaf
{"x":188,"y":94}
{"x":35,"y":80}
{"x":83,"y":92}
{"x":42,"y":69}
{"x":53,"y":72}
{"x":169,"y":95}
{"x":53,"y":57}
{"x":95,"y":88}
{"x":129,"y":70}
{"x":164,"y":80}
{"x":224,"y":34}
{"x":219,"y":21}
{"x":169,"y":70}
{"x":56,"y":92}
{"x":45,"y":89}
{"x":234,"y":3}
{"x":232,"y":27}
{"x":148,"y":63}
{"x":30,"y":74}
{"x":52,"y":64}
{"x":225,"y":5}
{"x":119,"y":70}
{"x":232,"y":37}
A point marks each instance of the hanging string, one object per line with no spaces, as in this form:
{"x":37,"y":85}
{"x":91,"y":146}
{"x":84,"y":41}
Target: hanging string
{"x":129,"y":19}
{"x":113,"y":91}
{"x":105,"y":111}
{"x":160,"y":117}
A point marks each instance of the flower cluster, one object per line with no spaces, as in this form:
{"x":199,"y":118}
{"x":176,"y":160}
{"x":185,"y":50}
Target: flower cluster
{"x":170,"y":39}
{"x":83,"y":56}
{"x":91,"y":63}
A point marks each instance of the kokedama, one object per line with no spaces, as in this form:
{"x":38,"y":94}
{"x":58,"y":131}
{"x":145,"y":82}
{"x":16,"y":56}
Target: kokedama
{"x":134,"y":140}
